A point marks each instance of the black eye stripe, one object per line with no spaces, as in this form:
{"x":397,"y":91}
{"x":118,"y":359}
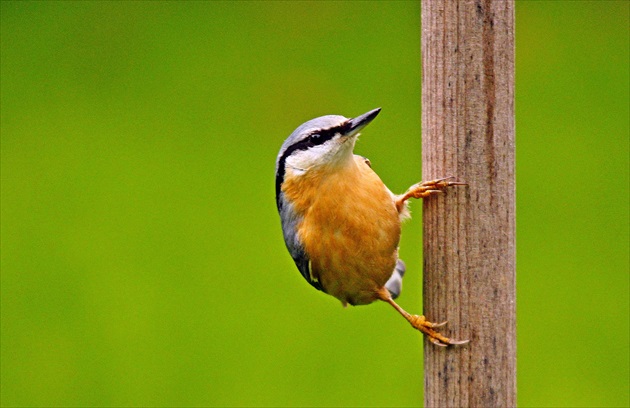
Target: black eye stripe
{"x":323,"y":135}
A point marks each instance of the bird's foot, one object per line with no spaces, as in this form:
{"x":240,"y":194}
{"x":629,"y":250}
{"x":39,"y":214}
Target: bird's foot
{"x":420,"y":322}
{"x":427,"y":188}
{"x":426,"y":327}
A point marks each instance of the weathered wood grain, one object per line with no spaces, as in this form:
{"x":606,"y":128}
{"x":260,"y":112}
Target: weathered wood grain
{"x":468,"y":131}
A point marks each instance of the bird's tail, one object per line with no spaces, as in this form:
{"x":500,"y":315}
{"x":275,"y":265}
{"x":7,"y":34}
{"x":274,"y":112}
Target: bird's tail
{"x":394,"y":284}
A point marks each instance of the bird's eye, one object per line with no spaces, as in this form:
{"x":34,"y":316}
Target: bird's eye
{"x":315,"y":137}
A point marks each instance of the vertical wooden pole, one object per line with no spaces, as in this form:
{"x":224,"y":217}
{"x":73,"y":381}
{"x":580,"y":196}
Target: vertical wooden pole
{"x":469,"y":232}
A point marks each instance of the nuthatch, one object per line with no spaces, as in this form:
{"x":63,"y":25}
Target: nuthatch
{"x":340,"y":222}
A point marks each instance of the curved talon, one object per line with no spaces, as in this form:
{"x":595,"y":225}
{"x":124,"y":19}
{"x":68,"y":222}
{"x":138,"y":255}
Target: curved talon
{"x":457,"y":342}
{"x":442,"y":182}
{"x":438,"y":180}
{"x":437,"y":342}
{"x":435,"y":325}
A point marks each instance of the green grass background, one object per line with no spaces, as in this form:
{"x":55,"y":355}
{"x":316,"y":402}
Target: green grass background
{"x":142,"y":258}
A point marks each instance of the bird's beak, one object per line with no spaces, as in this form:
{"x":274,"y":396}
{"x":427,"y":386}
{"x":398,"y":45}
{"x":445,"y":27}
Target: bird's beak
{"x":355,"y":125}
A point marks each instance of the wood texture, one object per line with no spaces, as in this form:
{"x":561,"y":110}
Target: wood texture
{"x":469,"y":232}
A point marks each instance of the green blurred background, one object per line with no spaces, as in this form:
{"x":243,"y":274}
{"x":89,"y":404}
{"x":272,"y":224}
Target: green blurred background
{"x":142,"y":258}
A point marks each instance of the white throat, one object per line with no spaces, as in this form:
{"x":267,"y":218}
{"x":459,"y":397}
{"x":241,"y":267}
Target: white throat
{"x":334,"y":153}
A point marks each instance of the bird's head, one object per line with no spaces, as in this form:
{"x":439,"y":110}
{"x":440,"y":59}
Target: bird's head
{"x":324,"y":141}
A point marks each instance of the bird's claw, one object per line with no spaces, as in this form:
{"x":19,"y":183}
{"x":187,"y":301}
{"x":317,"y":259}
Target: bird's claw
{"x":445,"y":341}
{"x":457,"y":342}
{"x":443,"y":182}
{"x":431,"y":187}
{"x":435,"y":325}
{"x":436,"y":342}
{"x":426,"y":327}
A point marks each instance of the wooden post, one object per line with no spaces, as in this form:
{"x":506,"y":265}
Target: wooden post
{"x":469,"y":232}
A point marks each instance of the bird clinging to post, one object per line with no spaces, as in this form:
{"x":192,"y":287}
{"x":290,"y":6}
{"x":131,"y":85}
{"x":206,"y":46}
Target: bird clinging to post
{"x":341,"y":224}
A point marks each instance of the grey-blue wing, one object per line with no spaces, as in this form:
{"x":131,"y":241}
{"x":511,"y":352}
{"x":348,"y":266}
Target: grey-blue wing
{"x":290,"y":221}
{"x":304,"y":266}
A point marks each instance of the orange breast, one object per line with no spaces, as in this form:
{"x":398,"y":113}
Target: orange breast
{"x":350,"y":229}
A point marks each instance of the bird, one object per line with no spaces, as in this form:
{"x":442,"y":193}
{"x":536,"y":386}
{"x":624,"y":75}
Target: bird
{"x":340,"y":222}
